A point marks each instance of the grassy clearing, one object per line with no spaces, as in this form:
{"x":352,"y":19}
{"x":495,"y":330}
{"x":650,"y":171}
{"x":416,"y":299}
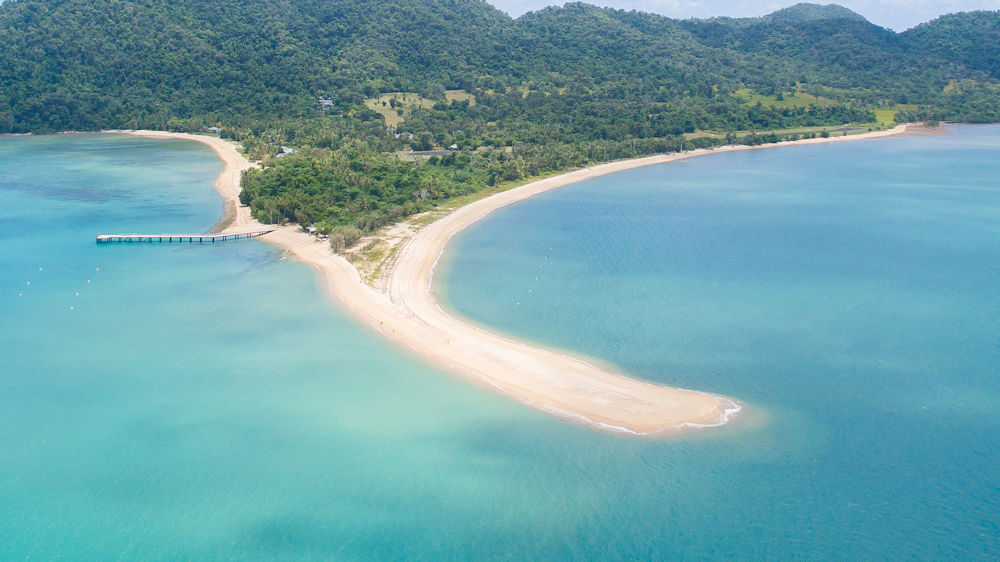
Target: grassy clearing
{"x":459,"y":95}
{"x":887,"y":115}
{"x":406,"y":102}
{"x":884,"y":116}
{"x":392,"y":119}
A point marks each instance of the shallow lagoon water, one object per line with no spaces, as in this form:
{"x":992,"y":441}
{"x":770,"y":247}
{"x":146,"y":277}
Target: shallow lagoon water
{"x":206,"y":402}
{"x":849,"y":293}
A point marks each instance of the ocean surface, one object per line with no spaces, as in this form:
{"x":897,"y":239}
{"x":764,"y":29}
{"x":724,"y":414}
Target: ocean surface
{"x":165,"y":402}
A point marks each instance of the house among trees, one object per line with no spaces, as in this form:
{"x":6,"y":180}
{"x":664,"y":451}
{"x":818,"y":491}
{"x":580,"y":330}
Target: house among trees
{"x":325,"y":104}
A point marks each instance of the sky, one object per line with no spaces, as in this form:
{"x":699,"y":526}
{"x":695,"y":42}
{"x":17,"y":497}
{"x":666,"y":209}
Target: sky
{"x":898,"y":15}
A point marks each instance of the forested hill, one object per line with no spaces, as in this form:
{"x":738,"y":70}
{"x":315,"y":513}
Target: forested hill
{"x":84,"y":64}
{"x":801,"y":13}
{"x":971,"y":39}
{"x":351,"y":85}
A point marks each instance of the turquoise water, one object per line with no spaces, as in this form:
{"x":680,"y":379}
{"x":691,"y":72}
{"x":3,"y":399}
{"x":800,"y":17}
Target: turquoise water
{"x":206,"y":403}
{"x":849,"y":293}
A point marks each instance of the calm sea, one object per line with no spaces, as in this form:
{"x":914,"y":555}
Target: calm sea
{"x":204,"y":402}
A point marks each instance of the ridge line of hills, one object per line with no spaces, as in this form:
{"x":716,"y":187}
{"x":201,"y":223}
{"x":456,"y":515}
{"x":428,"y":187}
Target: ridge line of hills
{"x":352,"y":85}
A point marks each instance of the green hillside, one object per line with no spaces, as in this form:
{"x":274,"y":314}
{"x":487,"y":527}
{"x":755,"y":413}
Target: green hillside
{"x":971,"y":39}
{"x":551,"y":90}
{"x":805,"y":12}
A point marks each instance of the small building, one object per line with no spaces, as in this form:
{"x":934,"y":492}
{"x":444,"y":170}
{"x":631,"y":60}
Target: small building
{"x":311,"y":230}
{"x":453,"y":147}
{"x":325,"y":103}
{"x":285,"y":151}
{"x":214,"y":130}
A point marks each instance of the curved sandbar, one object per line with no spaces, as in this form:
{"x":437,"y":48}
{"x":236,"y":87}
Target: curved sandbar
{"x":407,"y":313}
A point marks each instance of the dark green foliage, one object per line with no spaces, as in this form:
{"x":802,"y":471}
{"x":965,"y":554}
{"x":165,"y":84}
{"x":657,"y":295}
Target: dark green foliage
{"x":367,"y":190}
{"x":846,"y":58}
{"x":349,"y":187}
{"x":806,"y":12}
{"x":76,"y":64}
{"x":966,"y":102}
{"x":972,"y":39}
{"x":115,"y":63}
{"x":343,"y":237}
{"x":82,"y":64}
{"x":554,"y":89}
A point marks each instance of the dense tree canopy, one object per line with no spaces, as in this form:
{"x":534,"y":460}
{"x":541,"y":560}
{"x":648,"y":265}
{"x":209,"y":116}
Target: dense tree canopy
{"x":553,"y":89}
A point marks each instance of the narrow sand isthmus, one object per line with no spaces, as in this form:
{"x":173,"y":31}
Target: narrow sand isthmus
{"x":408,"y":314}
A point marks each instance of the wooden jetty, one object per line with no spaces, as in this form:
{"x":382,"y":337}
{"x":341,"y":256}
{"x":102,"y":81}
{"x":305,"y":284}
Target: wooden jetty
{"x":183,"y":238}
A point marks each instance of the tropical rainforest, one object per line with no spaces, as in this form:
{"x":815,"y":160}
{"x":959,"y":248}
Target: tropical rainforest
{"x":363,"y":111}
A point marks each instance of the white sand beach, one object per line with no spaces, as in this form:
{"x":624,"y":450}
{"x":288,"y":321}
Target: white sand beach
{"x":406,"y":312}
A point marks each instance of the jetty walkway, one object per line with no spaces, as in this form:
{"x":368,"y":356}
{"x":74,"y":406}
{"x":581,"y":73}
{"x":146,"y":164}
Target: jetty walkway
{"x":183,"y":238}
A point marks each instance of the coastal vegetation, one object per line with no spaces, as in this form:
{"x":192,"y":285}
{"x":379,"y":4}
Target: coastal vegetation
{"x":332,"y":97}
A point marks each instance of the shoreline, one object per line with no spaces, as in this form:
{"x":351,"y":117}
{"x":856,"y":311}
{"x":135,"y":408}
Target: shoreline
{"x":235,"y":218}
{"x":407,"y":313}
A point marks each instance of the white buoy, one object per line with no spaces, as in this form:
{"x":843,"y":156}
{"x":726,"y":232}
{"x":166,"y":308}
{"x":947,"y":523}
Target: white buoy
{"x":88,"y":281}
{"x":29,"y":282}
{"x":78,"y":294}
{"x":71,"y":308}
{"x":97,"y":269}
{"x":39,"y":269}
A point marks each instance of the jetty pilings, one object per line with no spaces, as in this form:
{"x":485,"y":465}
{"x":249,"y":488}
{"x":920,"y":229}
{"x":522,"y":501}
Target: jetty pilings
{"x":179,"y":238}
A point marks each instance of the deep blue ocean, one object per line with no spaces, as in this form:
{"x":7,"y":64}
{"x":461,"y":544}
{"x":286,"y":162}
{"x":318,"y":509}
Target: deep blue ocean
{"x":165,"y":402}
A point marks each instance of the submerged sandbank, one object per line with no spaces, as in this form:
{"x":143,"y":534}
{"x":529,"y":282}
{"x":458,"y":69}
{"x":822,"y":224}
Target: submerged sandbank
{"x":407,"y":313}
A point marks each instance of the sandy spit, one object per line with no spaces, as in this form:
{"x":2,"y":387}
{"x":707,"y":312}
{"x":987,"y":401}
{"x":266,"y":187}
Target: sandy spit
{"x":407,"y":313}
